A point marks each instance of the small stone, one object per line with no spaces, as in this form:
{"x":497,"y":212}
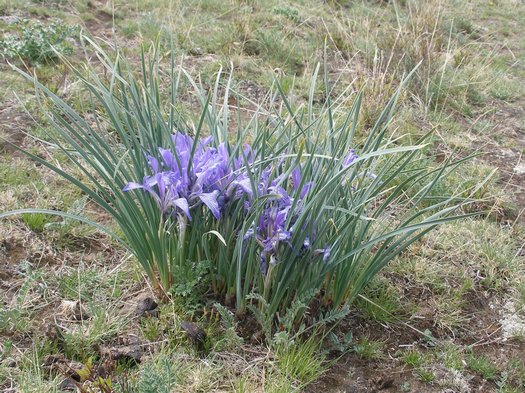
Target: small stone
{"x":147,"y":307}
{"x":9,"y":19}
{"x":58,"y":363}
{"x":195,"y":333}
{"x":520,"y":169}
{"x":129,"y":352}
{"x":74,"y":309}
{"x":68,"y":385}
{"x":196,"y":51}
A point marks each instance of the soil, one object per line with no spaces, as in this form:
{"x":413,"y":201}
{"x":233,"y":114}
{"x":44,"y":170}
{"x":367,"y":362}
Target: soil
{"x":482,"y":332}
{"x":13,"y":128}
{"x":101,"y":25}
{"x":11,"y":252}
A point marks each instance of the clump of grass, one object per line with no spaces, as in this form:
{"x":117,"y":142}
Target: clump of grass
{"x":301,"y":361}
{"x":31,"y":378}
{"x":483,"y":246}
{"x":103,"y":324}
{"x":425,"y":375}
{"x":35,"y":221}
{"x":481,"y":365}
{"x":452,"y":357}
{"x":380,"y":301}
{"x":413,"y":358}
{"x":369,"y":349}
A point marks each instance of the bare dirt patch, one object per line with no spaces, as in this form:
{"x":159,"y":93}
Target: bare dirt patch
{"x":11,"y":251}
{"x":13,"y":128}
{"x":101,"y":24}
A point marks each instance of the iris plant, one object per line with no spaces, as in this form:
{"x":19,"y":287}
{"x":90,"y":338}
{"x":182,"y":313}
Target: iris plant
{"x":295,"y":215}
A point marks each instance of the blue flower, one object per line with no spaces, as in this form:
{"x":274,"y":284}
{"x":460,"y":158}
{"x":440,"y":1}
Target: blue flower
{"x":189,"y":175}
{"x":349,"y":158}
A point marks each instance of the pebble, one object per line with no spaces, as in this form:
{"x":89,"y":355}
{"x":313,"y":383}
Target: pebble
{"x":520,"y":169}
{"x":9,"y":19}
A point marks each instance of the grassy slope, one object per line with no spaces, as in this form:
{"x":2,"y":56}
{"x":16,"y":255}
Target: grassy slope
{"x":463,"y":286}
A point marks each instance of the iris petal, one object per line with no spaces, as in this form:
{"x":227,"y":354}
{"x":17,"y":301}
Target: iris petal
{"x":210,"y":200}
{"x":132,"y":186}
{"x":182,"y":204}
{"x":350,"y":158}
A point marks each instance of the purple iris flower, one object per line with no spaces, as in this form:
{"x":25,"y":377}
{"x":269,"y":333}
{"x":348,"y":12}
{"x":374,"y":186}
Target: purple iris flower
{"x":190,"y":175}
{"x":275,"y":225}
{"x":161,"y":187}
{"x":296,"y":178}
{"x":349,"y":158}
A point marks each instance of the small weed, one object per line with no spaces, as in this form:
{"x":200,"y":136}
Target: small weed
{"x":35,"y":221}
{"x":452,"y":357}
{"x":300,"y":361}
{"x":5,"y":349}
{"x":288,"y":12}
{"x":465,"y":26}
{"x":159,"y":375}
{"x":425,"y":375}
{"x":81,"y":285}
{"x":10,"y":178}
{"x":103,"y":323}
{"x":31,"y":378}
{"x":483,"y":366}
{"x":243,"y":384}
{"x":369,"y":349}
{"x":225,"y":338}
{"x":516,"y":372}
{"x":341,"y":345}
{"x":15,"y":318}
{"x":413,"y":358}
{"x":380,"y":302}
{"x":68,"y":230}
{"x":151,"y":328}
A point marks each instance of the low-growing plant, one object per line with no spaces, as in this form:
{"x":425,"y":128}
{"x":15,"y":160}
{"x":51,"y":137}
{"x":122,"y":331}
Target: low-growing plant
{"x":369,"y":349}
{"x":301,"y":361}
{"x":159,"y":375}
{"x":14,"y":317}
{"x":304,"y":211}
{"x":425,"y":375}
{"x":413,"y":358}
{"x":288,"y":12}
{"x":483,"y":366}
{"x":35,"y":221}
{"x":38,"y":43}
